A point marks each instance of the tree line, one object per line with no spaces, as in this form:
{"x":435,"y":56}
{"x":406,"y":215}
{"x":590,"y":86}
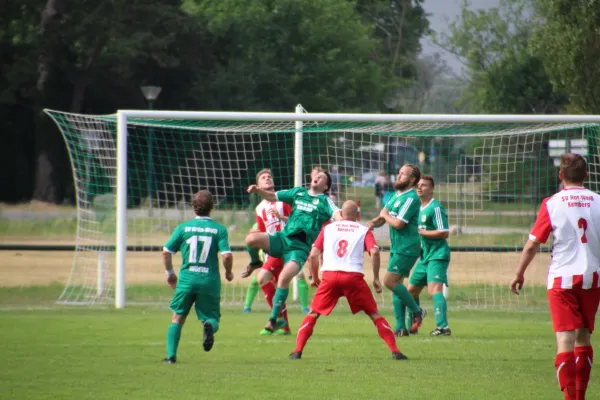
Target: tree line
{"x":526,"y":56}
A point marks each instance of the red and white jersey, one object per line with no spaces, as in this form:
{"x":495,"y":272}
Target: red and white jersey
{"x":343,"y":244}
{"x":573,"y":217}
{"x":265,"y":219}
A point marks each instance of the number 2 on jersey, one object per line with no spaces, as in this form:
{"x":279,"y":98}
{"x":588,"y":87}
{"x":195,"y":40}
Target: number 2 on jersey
{"x":582,"y":224}
{"x":193,"y":242}
{"x":342,"y":248}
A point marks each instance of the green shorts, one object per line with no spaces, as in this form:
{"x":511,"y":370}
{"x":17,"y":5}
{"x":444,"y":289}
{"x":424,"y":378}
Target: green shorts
{"x":207,"y":304}
{"x":430,"y":272}
{"x":401,"y":264}
{"x":288,"y":249}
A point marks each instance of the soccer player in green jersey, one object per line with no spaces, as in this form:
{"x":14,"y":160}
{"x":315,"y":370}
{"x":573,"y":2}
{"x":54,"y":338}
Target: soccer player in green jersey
{"x":432,"y":268}
{"x":199,"y":283}
{"x":311,"y":208}
{"x":400,"y":213}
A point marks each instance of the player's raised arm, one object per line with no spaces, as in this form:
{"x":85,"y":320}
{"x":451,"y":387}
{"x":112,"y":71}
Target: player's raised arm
{"x":376,"y":222}
{"x":265,"y":194}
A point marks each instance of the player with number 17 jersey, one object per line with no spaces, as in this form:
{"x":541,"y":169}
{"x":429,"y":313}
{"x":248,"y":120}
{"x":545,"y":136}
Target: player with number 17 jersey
{"x":199,"y":240}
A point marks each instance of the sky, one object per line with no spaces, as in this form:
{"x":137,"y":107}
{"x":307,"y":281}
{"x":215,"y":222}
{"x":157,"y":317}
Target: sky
{"x":441,"y":13}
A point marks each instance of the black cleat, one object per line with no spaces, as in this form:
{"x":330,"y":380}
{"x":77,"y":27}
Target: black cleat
{"x":441,"y":332}
{"x":399,"y":356}
{"x":297,"y":355}
{"x":171,"y":360}
{"x":209,"y":337}
{"x":401,"y":333}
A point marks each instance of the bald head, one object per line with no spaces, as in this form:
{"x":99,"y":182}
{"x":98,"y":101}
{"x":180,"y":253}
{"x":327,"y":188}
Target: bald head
{"x":350,"y":210}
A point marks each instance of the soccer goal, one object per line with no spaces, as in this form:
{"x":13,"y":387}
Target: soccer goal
{"x":135,"y":172}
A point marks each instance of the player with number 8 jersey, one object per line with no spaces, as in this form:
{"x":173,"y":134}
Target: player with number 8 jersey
{"x":343,"y":244}
{"x":199,"y":241}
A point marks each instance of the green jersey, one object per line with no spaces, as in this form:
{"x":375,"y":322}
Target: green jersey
{"x":433,"y":217}
{"x":405,"y":206}
{"x":309,"y":213}
{"x":199,"y":241}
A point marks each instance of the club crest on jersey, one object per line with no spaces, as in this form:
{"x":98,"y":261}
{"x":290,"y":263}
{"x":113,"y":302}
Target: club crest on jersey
{"x":396,"y":204}
{"x":423,"y":218}
{"x":315,"y":201}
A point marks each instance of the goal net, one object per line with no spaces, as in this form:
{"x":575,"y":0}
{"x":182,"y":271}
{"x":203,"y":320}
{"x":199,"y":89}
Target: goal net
{"x":490,"y":174}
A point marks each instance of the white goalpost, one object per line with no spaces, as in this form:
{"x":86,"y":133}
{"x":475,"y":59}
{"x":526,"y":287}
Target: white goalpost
{"x":490,"y":171}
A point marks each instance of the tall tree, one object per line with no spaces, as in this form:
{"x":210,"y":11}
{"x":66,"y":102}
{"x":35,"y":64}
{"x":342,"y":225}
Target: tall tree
{"x":98,"y":45}
{"x":274,"y":55}
{"x":568,"y":42}
{"x":502,"y":74}
{"x":399,"y":25}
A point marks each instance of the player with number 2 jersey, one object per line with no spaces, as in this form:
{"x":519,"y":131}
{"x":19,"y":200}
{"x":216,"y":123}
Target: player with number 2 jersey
{"x":573,"y":217}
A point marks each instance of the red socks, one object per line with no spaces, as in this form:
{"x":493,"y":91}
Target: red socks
{"x":269,"y":291}
{"x":565,"y":372}
{"x":386,"y":333}
{"x":304,"y":332}
{"x":584,"y":356}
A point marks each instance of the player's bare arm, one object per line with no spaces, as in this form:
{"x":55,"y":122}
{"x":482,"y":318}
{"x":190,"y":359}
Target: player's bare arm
{"x":227,"y":259}
{"x":313,"y":263}
{"x":265,"y":194}
{"x":337,"y":216}
{"x":434,"y":234}
{"x":395,"y":223}
{"x":375,"y":263}
{"x":167,"y":259}
{"x":375,"y":223}
{"x":529,"y":251}
{"x":280,"y":217}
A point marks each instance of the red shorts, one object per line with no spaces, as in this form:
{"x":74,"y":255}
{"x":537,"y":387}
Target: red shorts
{"x":351,"y":285}
{"x":573,"y":308}
{"x":274,"y":266}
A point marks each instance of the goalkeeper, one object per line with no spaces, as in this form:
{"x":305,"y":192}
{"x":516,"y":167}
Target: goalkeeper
{"x":311,"y":208}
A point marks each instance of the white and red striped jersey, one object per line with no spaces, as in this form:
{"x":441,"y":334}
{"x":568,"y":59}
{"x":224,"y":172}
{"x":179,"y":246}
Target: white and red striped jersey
{"x":265,"y":219}
{"x":573,"y":217}
{"x":343,"y":244}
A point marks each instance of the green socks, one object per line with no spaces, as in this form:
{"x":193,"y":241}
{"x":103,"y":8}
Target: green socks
{"x":279,"y":299}
{"x":173,"y":336}
{"x":402,"y":293}
{"x":254,"y":255}
{"x":251,"y":292}
{"x":440,"y":310}
{"x":399,"y":312}
{"x":303,"y":293}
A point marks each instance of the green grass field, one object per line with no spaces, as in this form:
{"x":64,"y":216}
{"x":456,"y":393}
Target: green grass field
{"x":115,"y":354}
